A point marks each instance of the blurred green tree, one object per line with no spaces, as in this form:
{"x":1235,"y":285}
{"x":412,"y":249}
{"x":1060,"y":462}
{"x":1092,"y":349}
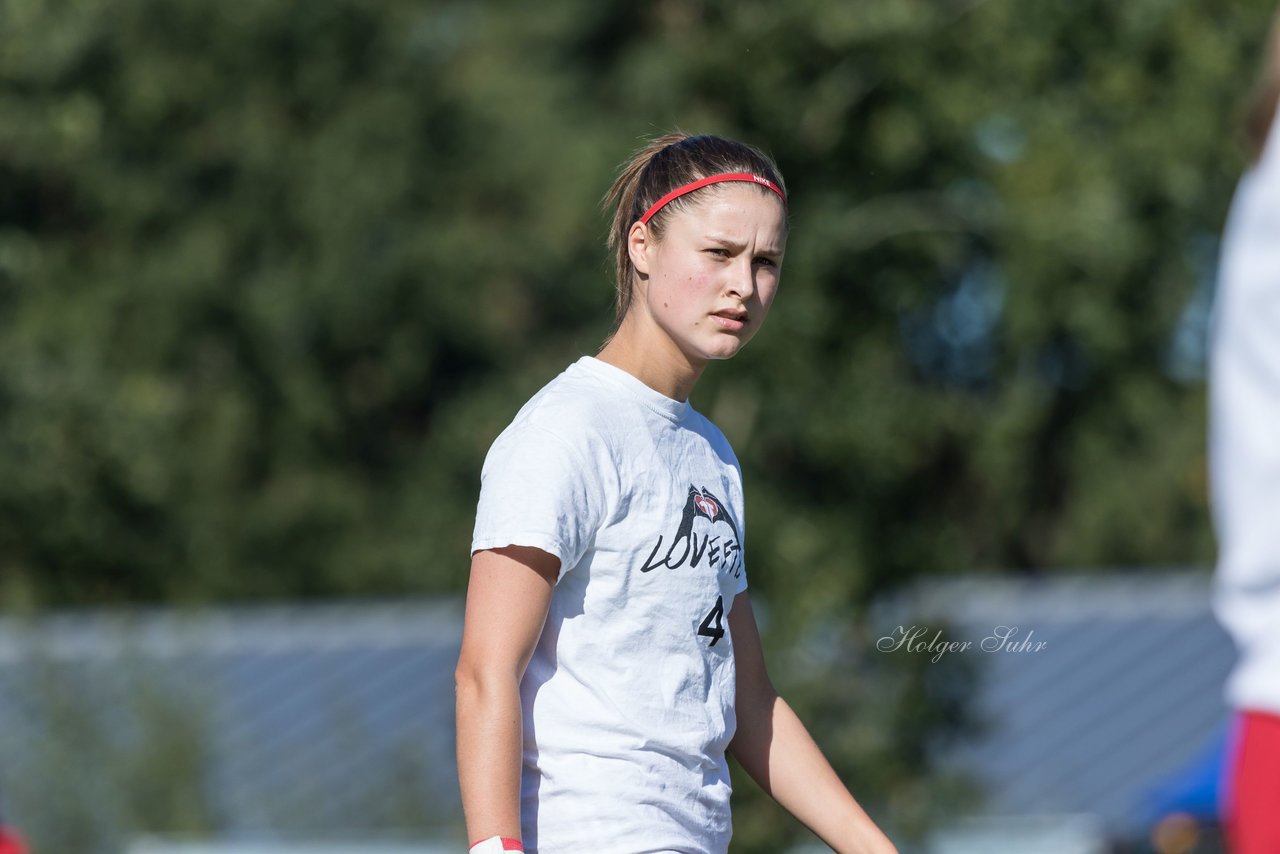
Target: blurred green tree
{"x":273,"y":278}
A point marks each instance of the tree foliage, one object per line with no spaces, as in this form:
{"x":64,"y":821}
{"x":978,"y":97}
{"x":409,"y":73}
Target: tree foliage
{"x":274,"y":276}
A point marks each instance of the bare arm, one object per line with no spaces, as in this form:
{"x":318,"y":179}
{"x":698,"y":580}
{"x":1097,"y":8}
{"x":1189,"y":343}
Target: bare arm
{"x":507,"y":600}
{"x":777,"y":751}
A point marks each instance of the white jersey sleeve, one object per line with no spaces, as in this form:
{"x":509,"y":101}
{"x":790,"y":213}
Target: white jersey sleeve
{"x":537,"y":490}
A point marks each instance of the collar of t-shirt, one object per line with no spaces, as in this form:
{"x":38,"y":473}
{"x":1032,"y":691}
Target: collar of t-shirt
{"x":673,"y":410}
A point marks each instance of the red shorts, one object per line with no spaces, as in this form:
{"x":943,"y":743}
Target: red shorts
{"x":1251,"y":808}
{"x":11,"y":843}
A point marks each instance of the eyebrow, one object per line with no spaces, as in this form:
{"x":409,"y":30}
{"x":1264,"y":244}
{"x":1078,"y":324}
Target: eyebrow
{"x":733,"y":244}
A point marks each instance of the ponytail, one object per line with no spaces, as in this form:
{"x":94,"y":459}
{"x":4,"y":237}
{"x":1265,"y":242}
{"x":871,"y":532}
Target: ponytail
{"x":1266,"y":97}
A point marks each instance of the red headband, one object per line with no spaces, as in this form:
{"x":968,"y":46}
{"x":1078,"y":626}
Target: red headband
{"x":714,"y":179}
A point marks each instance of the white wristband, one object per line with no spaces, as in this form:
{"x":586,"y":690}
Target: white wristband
{"x":496,"y":845}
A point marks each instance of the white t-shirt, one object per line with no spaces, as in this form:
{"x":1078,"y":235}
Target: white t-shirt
{"x":628,"y":700}
{"x":1244,"y":446}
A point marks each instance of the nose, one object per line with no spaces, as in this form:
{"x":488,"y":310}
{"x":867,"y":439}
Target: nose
{"x":742,"y":278}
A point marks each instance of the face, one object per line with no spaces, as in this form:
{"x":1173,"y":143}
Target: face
{"x":707,"y":284}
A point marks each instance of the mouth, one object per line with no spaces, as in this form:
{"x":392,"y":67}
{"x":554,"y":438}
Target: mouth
{"x":731,"y":319}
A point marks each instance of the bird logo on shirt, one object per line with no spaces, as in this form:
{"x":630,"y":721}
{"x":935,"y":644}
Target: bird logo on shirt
{"x":720,"y":546}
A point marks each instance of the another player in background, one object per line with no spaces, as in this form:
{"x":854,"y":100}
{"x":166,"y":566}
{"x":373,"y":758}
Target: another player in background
{"x":1245,"y":467}
{"x":610,"y":656}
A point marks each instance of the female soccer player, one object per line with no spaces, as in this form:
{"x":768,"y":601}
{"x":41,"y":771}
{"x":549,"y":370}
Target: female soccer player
{"x":610,"y":656}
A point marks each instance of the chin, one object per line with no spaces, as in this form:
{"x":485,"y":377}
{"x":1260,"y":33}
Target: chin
{"x":717,"y":349}
{"x":721,"y":353}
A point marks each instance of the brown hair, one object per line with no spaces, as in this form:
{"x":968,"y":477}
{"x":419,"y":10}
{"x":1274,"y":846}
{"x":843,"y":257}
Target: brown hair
{"x":667,"y":162}
{"x":1266,"y":95}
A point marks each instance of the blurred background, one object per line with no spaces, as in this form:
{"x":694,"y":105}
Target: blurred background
{"x":274,"y":274}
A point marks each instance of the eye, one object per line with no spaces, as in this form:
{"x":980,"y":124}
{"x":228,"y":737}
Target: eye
{"x":719,"y":251}
{"x":762,"y":261}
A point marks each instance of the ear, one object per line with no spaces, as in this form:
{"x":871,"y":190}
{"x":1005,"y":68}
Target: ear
{"x":638,"y":244}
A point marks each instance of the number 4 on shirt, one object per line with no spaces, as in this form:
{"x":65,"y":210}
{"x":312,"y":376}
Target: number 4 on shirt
{"x":712,"y":626}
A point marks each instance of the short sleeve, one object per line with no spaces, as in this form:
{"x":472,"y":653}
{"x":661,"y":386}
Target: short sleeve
{"x":537,"y":490}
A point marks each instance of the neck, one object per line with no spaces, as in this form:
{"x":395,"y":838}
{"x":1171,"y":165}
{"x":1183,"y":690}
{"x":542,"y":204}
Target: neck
{"x":665,"y":369}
